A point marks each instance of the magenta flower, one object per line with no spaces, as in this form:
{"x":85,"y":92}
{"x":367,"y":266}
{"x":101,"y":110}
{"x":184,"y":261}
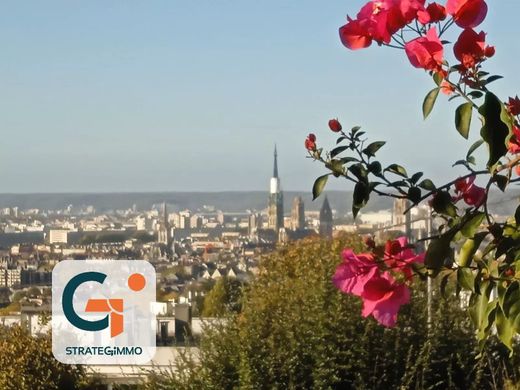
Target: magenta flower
{"x":472,"y":194}
{"x":426,"y":52}
{"x":399,"y":256}
{"x":383,"y":297}
{"x":355,"y":271}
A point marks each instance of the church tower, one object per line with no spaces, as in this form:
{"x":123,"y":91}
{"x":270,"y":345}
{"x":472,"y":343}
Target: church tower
{"x":298,"y":214}
{"x":326,"y":219}
{"x":275,"y":208}
{"x":163,"y":231}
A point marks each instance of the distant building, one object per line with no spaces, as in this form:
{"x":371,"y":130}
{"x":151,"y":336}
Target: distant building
{"x":254,"y":223}
{"x":401,"y":218}
{"x":298,"y":214}
{"x":326,"y":219}
{"x":275,"y":208}
{"x":58,"y":236}
{"x":163,"y":228}
{"x":10,"y":277}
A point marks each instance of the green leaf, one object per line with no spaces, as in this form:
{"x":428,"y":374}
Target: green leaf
{"x":469,"y":248}
{"x":517,"y":216}
{"x":415,"y":177}
{"x":359,"y":171}
{"x":496,"y":128}
{"x":470,"y":227}
{"x":475,"y":94}
{"x":345,"y":160}
{"x":490,"y":79}
{"x":463,"y":119}
{"x":482,"y":311}
{"x":375,"y":167}
{"x":443,"y":204}
{"x":336,"y":166}
{"x":427,"y":185}
{"x":438,"y":252}
{"x":341,"y":139}
{"x":397,"y":169}
{"x":510,"y":297}
{"x":505,"y":329}
{"x":355,"y":129}
{"x":438,"y":78}
{"x":444,"y":282}
{"x":501,"y":181}
{"x":429,"y":102}
{"x":474,"y":147}
{"x":466,"y":279}
{"x":372,"y":149}
{"x":319,"y":185}
{"x":334,"y":152}
{"x":361,"y":195}
{"x":414,"y":194}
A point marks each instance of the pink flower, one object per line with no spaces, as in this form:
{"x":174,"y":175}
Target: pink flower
{"x":378,"y":20}
{"x":355,"y":271}
{"x":426,"y":52}
{"x":355,"y":35}
{"x":447,"y":88}
{"x":432,"y":14}
{"x":513,"y":105}
{"x":470,"y":48}
{"x":467,"y":13}
{"x":383,"y":297}
{"x":472,"y":194}
{"x":399,"y":256}
{"x":514,"y":141}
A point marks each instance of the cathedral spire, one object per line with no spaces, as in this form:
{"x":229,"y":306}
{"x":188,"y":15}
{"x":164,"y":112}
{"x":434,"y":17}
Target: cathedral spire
{"x":275,"y":170}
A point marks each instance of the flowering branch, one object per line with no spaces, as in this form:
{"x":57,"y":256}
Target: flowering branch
{"x":487,"y":264}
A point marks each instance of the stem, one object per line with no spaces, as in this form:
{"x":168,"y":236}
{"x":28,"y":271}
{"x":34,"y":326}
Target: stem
{"x":448,"y":24}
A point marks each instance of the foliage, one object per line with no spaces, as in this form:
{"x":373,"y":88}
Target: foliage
{"x":222,"y":298}
{"x":488,"y":266}
{"x":27,"y":363}
{"x":296,"y":330}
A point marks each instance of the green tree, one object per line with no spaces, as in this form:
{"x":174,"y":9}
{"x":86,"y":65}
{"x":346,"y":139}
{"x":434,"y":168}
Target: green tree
{"x":296,"y":331}
{"x":27,"y":363}
{"x":223,"y":297}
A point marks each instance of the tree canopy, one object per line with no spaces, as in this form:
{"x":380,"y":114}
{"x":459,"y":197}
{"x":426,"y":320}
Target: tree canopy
{"x":295,"y":330}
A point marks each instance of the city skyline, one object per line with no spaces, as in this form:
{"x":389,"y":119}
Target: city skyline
{"x":170,"y":96}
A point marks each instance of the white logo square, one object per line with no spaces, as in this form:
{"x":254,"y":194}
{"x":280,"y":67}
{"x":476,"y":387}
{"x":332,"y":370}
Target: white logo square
{"x":102,"y":311}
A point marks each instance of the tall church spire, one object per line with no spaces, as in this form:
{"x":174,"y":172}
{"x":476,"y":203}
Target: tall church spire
{"x":275,"y":208}
{"x":275,"y":170}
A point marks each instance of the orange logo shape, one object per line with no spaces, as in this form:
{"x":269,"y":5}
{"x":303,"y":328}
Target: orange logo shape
{"x":112,"y":306}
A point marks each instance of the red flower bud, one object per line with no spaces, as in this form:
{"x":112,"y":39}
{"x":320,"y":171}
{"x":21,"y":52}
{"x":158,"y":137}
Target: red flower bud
{"x":335,"y":126}
{"x":310,"y":142}
{"x":490,"y":51}
{"x":369,"y":242}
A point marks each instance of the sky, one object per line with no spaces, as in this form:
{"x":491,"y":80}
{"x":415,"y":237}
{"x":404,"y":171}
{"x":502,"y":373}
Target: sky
{"x":167,"y":95}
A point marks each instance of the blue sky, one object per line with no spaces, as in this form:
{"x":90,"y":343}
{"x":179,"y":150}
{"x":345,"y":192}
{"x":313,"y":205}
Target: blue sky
{"x":192,"y":95}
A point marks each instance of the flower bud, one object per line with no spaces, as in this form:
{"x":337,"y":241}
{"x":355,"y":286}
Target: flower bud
{"x":335,"y":126}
